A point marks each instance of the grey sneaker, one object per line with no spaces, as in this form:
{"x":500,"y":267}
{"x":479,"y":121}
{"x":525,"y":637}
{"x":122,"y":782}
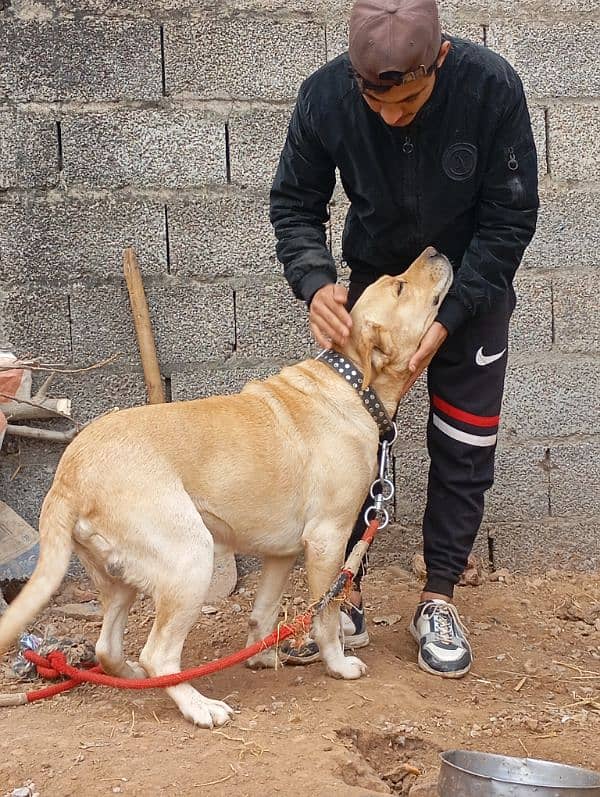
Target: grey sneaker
{"x":444,"y":649}
{"x":353,"y":627}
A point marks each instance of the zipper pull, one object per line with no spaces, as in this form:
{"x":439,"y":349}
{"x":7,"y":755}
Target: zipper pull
{"x":408,"y":147}
{"x":513,"y":163}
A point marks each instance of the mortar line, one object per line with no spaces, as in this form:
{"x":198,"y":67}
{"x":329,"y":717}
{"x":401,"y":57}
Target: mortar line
{"x":235,"y":335}
{"x":227,"y":154}
{"x":547,"y":134}
{"x":167,"y":240}
{"x":60,"y":146}
{"x":70,"y":319}
{"x":163,"y":68}
{"x":168,"y":389}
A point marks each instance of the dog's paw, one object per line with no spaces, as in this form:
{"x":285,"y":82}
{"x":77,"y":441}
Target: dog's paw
{"x":349,"y":668}
{"x":205,"y":712}
{"x":265,"y":660}
{"x":135,"y":670}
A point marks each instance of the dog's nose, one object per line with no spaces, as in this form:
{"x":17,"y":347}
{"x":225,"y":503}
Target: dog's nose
{"x":431,"y":252}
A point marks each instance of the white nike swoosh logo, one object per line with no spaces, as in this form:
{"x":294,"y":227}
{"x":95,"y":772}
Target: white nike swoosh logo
{"x":482,"y":359}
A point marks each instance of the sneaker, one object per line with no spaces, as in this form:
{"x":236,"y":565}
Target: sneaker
{"x":353,"y":629}
{"x":443,"y":646}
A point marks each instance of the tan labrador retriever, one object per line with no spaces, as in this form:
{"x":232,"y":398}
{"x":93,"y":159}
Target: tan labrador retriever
{"x":143,"y":496}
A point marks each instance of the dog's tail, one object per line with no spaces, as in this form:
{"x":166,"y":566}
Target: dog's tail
{"x":57,"y":521}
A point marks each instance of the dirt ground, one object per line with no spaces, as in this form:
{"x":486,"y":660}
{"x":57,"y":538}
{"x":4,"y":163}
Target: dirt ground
{"x":534,"y":690}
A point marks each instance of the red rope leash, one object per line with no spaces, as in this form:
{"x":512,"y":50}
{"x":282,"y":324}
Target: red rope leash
{"x":56,"y":665}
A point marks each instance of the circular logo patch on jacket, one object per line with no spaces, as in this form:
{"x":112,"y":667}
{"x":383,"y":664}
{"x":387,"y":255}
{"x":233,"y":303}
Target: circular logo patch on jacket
{"x":460,"y":161}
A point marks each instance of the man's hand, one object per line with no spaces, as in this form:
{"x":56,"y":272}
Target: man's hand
{"x":329,"y":320}
{"x":432,"y":340}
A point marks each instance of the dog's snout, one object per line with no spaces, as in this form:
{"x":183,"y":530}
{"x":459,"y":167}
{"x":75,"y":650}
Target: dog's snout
{"x":431,"y":252}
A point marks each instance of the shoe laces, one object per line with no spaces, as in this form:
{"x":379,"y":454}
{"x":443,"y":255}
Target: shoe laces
{"x":445,"y":616}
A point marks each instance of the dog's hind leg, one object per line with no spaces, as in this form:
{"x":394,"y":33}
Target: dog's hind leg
{"x":274,"y":576}
{"x":178,"y":595}
{"x":324,"y":555}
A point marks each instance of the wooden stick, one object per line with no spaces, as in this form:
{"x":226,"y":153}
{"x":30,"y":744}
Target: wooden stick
{"x":143,"y":328}
{"x":41,"y":434}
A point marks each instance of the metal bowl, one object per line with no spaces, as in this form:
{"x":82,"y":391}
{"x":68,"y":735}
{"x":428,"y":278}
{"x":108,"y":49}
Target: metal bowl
{"x":471,"y":774}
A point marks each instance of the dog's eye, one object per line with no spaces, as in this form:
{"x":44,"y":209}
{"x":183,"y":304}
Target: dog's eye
{"x":436,"y":300}
{"x":399,"y":287}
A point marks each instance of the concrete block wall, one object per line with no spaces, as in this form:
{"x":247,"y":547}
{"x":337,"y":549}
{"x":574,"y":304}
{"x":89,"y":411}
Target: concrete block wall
{"x":157,"y":124}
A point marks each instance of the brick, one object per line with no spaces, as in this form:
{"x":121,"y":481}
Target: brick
{"x":84,"y":60}
{"x":223,"y":235}
{"x":574,"y":478}
{"x":337,"y":32}
{"x":191,"y":322}
{"x":526,"y":546}
{"x":93,"y":393}
{"x":35,"y":322}
{"x":531,"y":324}
{"x":66,"y":241}
{"x":574,"y":142}
{"x":271,"y":323}
{"x":553,"y":397}
{"x":576,"y":318}
{"x":241,"y":57}
{"x":191,"y":384}
{"x":521,"y":486}
{"x":487,"y":10}
{"x":568,"y":234}
{"x":28,"y":151}
{"x":256,"y":138}
{"x":144,"y":148}
{"x":538,"y":54}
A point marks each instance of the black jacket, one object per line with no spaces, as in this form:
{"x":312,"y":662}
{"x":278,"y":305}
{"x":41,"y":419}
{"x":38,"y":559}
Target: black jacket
{"x":461,"y":177}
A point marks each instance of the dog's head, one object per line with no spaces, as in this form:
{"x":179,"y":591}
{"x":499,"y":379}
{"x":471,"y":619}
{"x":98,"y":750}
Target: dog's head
{"x":392,"y":315}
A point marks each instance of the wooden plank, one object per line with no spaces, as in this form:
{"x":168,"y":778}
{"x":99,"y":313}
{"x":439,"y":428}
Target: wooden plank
{"x":16,"y":535}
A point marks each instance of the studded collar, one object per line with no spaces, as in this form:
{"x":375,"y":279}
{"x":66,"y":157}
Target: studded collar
{"x":348,"y":371}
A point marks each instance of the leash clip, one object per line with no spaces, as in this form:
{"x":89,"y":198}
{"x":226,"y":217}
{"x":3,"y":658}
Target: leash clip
{"x":382,"y":490}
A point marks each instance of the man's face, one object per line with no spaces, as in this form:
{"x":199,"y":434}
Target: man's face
{"x":399,"y":105}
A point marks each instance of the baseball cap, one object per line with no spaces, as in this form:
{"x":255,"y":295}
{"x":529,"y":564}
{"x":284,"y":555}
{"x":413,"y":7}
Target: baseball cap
{"x":394,"y":36}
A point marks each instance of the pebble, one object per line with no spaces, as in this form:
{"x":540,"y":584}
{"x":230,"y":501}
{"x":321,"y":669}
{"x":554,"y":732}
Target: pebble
{"x":236,"y":608}
{"x":209,"y":610}
{"x":23,"y":791}
{"x":88,"y":611}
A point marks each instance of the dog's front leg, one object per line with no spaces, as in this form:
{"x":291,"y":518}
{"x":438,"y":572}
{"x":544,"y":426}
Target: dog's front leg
{"x":274,"y":576}
{"x":324,"y":547}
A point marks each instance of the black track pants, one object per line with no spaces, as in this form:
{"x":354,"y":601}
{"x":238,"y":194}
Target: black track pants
{"x":465,"y":381}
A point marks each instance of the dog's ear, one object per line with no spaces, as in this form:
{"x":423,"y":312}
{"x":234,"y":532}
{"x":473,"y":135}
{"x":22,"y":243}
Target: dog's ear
{"x":375,"y":348}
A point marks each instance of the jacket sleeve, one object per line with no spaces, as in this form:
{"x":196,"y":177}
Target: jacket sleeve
{"x":507,"y":216}
{"x":301,"y":190}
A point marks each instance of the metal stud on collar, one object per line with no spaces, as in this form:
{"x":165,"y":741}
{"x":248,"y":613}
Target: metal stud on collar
{"x":349,"y":371}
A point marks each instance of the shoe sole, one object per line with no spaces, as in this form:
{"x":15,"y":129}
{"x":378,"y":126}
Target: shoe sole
{"x":426,"y":668}
{"x":352,"y":643}
{"x":356,"y":641}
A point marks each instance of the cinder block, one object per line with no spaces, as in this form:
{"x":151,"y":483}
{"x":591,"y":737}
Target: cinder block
{"x":271,"y":323}
{"x":574,"y":478}
{"x":411,"y":420}
{"x":196,"y":383}
{"x":531,"y":324}
{"x":568,"y":233}
{"x":65,"y":241}
{"x":539,"y":55}
{"x":84,"y":60}
{"x":28,"y":151}
{"x":553,"y":397}
{"x":93,"y":393}
{"x":521,"y":488}
{"x":538,"y":126}
{"x":337,"y":31}
{"x":35,"y":322}
{"x":223,"y":235}
{"x":490,"y":10}
{"x":242,"y":57}
{"x":256,"y":138}
{"x":576,"y":317}
{"x":527,"y":547}
{"x":411,"y":467}
{"x":191,"y":322}
{"x":574,"y":142}
{"x":26,"y":490}
{"x":144,"y":148}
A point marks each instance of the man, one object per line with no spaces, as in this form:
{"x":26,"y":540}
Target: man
{"x":432,"y":138}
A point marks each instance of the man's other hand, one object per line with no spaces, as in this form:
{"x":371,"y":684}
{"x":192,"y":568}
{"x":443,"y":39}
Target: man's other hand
{"x":432,"y":340}
{"x":329,"y":320}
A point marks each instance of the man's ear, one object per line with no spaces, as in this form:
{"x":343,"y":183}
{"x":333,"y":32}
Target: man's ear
{"x":375,"y":348}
